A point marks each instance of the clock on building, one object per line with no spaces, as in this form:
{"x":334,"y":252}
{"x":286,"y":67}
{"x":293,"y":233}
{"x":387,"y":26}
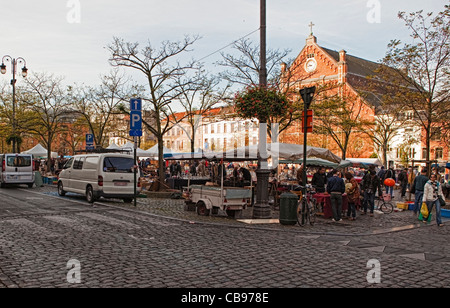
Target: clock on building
{"x":311,"y":65}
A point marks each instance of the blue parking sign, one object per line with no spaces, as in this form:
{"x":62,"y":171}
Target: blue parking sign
{"x":89,"y":139}
{"x":135,"y":123}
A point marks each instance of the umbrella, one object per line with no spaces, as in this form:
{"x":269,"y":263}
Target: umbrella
{"x":313,"y":162}
{"x":295,"y":152}
{"x":363,"y":162}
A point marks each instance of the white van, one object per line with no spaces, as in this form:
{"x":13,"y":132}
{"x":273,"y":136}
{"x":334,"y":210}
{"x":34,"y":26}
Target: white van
{"x":17,"y":169}
{"x":99,"y":175}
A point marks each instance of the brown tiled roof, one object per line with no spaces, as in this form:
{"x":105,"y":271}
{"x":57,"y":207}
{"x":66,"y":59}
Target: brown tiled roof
{"x":358,"y":71}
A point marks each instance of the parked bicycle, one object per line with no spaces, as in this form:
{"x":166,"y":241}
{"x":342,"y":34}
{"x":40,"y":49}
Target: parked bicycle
{"x":384,"y":204}
{"x":307,"y":207}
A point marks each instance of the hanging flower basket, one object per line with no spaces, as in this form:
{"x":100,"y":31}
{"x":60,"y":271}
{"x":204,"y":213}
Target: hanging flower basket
{"x":261,"y":103}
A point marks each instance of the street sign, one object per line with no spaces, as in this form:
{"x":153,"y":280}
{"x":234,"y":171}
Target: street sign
{"x":309,"y":121}
{"x":136,"y":104}
{"x":136,"y":117}
{"x":89,"y":142}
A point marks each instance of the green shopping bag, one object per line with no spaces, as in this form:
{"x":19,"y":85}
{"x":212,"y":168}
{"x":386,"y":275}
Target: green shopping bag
{"x":421,"y":217}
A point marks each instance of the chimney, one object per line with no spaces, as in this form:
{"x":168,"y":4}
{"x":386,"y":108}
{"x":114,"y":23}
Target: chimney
{"x":343,"y":68}
{"x":342,"y":56}
{"x":283,"y":67}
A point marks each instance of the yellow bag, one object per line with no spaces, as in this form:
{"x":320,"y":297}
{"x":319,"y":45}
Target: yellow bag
{"x":424,"y":210}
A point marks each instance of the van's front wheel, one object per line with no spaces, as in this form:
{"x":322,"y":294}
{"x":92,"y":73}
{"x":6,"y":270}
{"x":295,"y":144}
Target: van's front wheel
{"x":61,"y":191}
{"x":90,"y":195}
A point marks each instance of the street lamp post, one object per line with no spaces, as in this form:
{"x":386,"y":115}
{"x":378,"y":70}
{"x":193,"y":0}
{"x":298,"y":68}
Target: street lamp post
{"x":14,"y":63}
{"x":261,"y":209}
{"x":307,"y":95}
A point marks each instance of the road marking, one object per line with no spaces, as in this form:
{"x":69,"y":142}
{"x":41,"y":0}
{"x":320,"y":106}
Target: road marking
{"x":71,"y":223}
{"x":150,"y":220}
{"x":31,"y":227}
{"x":109,"y":220}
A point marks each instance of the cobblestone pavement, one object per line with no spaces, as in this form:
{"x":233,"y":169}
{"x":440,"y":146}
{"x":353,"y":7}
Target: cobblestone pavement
{"x":117,"y":246}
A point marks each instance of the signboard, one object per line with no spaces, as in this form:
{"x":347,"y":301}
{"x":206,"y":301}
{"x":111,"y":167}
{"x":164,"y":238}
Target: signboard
{"x":89,"y":142}
{"x":309,"y":121}
{"x":136,"y":117}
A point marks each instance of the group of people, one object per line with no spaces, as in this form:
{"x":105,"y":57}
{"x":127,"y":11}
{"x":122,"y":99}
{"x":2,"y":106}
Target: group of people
{"x":427,"y":191}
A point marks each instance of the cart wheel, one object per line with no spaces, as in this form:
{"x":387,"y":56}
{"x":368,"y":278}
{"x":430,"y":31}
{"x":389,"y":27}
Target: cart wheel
{"x":201,"y":209}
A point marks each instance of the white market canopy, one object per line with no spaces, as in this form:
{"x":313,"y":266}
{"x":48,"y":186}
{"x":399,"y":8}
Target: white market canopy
{"x":113,"y":146}
{"x":129,"y":146}
{"x":154,"y":150}
{"x":40,"y":152}
{"x":282,"y":151}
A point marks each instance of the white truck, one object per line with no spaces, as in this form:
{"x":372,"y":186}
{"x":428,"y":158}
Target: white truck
{"x":209,"y":199}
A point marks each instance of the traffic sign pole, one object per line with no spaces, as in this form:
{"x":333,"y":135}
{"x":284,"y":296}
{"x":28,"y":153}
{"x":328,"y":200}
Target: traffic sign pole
{"x":135,"y":171}
{"x":135,"y":132}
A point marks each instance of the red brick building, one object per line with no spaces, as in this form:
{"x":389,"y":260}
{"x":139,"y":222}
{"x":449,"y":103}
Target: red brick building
{"x":345,"y":76}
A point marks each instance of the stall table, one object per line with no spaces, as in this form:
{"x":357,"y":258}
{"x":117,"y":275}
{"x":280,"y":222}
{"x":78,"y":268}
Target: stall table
{"x":325,"y":200}
{"x":179,"y":183}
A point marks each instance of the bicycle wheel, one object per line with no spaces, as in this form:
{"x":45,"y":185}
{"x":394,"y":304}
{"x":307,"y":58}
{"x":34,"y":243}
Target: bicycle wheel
{"x":386,"y":207}
{"x":301,"y":213}
{"x":312,"y":211}
{"x":378,"y":204}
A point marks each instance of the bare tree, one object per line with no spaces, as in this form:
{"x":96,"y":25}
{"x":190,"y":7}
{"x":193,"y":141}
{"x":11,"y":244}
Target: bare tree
{"x":97,"y":105}
{"x":423,"y":69}
{"x":198,"y":97}
{"x":339,"y":115}
{"x":244,"y":68}
{"x":160,"y":68}
{"x":47,"y":100}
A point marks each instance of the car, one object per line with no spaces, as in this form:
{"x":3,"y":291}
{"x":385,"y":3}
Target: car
{"x":17,"y":169}
{"x":107,"y":175}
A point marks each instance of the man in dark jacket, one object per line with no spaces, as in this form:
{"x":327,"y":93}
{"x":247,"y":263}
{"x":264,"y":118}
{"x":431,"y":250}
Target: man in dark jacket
{"x":336,"y":187}
{"x":370,"y":184}
{"x":403,"y":180}
{"x":319,"y":180}
{"x":418,"y":188}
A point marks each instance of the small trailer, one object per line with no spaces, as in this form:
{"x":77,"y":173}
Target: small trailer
{"x":209,"y":199}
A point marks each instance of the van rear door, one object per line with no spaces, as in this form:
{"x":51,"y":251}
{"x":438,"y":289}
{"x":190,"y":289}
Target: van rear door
{"x":118,"y":176}
{"x":19,"y":169}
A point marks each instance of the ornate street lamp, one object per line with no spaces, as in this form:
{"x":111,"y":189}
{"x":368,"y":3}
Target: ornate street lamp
{"x":14,"y":63}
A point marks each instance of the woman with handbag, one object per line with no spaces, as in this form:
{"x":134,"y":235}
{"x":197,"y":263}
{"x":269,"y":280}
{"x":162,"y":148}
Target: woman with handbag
{"x":431,"y":196}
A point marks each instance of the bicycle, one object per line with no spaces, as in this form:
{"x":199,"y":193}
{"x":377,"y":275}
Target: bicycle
{"x":384,"y":205}
{"x":307,"y":208}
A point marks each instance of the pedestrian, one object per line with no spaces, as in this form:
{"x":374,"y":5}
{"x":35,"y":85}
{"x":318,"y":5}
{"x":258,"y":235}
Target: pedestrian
{"x":370,"y":184}
{"x":300,"y":175}
{"x":353,"y":194}
{"x":418,"y":188}
{"x":403,"y":180}
{"x":336,"y":187}
{"x":411,"y":178}
{"x":319,"y":180}
{"x":390,"y":174}
{"x":382,"y":172}
{"x":432,"y":192}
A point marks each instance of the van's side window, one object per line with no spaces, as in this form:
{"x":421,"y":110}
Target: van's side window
{"x":78,"y":163}
{"x":69,"y":163}
{"x":91,"y":162}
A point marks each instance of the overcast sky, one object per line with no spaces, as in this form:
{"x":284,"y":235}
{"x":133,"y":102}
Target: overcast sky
{"x":53,"y":37}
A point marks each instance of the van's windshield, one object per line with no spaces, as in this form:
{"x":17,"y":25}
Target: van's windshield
{"x":18,"y":161}
{"x":118,"y":164}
